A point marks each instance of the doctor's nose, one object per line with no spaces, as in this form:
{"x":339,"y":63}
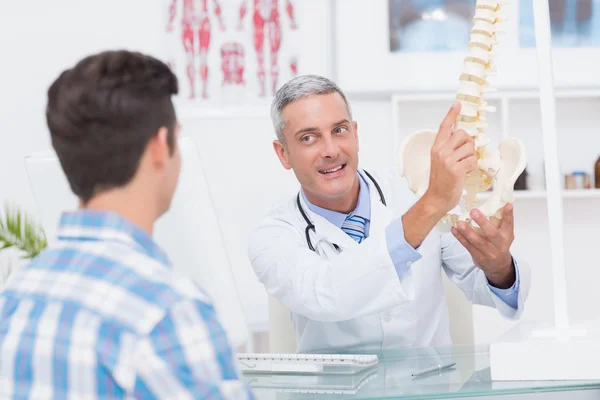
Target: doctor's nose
{"x":329,"y":148}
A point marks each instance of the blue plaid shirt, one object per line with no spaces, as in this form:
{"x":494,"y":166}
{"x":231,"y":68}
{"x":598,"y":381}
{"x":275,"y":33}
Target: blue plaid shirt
{"x":102,"y":315}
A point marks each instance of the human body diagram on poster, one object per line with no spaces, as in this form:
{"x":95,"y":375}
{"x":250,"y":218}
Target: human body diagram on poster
{"x":222,"y":51}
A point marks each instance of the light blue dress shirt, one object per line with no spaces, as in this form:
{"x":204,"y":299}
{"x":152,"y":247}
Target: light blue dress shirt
{"x":401,"y":253}
{"x":102,"y":315}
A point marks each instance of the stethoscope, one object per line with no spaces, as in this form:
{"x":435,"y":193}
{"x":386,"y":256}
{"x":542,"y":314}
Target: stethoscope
{"x":310,"y":225}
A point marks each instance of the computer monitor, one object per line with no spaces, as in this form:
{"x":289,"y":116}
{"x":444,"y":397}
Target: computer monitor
{"x":189,"y":232}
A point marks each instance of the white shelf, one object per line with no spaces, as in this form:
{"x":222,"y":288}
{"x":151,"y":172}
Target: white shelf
{"x":541,"y":195}
{"x":529,"y":194}
{"x":584,"y":193}
{"x":518,"y":115}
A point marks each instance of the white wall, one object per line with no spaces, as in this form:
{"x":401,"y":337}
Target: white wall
{"x":40,"y":38}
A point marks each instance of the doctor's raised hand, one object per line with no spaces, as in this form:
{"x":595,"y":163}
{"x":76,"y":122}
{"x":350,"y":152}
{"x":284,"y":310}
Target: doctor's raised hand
{"x":452,"y":158}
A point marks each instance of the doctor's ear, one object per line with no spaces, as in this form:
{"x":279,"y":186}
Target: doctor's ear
{"x":282,"y":153}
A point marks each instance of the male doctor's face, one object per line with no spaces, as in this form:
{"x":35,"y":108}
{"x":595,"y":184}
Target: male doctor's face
{"x":321,"y":147}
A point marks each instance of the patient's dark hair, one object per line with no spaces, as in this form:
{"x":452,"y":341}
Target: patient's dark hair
{"x":101,"y":114}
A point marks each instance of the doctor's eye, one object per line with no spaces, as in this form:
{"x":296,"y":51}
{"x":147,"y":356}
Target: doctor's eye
{"x":340,"y":129}
{"x":307,"y":139}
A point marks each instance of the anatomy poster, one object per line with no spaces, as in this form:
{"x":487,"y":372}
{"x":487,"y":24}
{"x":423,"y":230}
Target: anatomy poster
{"x":231,"y":52}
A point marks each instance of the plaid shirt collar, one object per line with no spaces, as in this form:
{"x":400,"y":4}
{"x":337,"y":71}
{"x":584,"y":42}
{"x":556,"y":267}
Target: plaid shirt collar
{"x":86,"y":224}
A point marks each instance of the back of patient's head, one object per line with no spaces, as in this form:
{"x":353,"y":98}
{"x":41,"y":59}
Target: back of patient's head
{"x":102,"y":113}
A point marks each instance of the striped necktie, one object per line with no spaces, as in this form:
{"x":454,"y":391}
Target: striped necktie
{"x":354,"y":226}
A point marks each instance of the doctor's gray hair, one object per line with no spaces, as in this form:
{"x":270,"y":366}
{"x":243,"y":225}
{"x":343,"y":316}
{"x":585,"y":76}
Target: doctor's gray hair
{"x":296,"y":89}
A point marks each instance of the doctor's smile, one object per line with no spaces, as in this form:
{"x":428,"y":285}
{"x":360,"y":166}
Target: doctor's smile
{"x":333,"y":172}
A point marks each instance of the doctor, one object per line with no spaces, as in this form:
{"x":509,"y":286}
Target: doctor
{"x":353,"y":256}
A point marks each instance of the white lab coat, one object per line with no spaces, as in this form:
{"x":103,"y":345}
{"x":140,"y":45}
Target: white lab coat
{"x":355,"y":298}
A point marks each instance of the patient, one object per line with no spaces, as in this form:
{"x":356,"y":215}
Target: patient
{"x":101,"y":314}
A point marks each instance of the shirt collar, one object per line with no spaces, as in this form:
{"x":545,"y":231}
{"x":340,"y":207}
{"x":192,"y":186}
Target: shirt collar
{"x":363,"y":206}
{"x":88,"y":224}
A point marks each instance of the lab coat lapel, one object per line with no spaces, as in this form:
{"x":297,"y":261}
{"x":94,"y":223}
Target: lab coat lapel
{"x":381,"y":216}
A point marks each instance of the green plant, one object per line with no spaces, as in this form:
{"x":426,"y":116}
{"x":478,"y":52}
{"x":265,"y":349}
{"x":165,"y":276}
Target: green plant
{"x":17,"y":230}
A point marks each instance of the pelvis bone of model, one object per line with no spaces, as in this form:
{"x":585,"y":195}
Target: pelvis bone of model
{"x":499,"y":168}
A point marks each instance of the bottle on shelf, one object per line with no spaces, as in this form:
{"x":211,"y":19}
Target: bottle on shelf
{"x":597,"y":173}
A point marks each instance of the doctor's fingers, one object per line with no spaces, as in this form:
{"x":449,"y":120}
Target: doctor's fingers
{"x":487,"y":228}
{"x":478,"y":240}
{"x":508,"y":218}
{"x":476,"y":254}
{"x":459,"y":147}
{"x":500,"y":235}
{"x":466,"y":150}
{"x":458,"y":139}
{"x":468,"y":164}
{"x":445,"y":130}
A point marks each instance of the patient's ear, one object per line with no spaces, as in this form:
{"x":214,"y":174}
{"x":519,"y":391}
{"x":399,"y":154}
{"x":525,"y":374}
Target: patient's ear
{"x":282,"y":154}
{"x":158,"y":148}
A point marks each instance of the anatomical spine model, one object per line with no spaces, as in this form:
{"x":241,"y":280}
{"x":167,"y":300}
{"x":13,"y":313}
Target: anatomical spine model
{"x":503,"y":165}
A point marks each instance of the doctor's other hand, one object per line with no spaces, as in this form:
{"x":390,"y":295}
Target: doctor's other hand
{"x":452,"y":158}
{"x":489,"y":245}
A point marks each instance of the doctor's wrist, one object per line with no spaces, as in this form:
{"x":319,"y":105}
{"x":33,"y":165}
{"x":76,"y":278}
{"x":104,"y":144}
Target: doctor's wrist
{"x":503,"y":278}
{"x":432,"y":206}
{"x":419,"y":220}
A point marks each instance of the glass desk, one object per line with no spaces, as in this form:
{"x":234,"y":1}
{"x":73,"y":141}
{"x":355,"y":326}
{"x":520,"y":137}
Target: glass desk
{"x":392,"y":379}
